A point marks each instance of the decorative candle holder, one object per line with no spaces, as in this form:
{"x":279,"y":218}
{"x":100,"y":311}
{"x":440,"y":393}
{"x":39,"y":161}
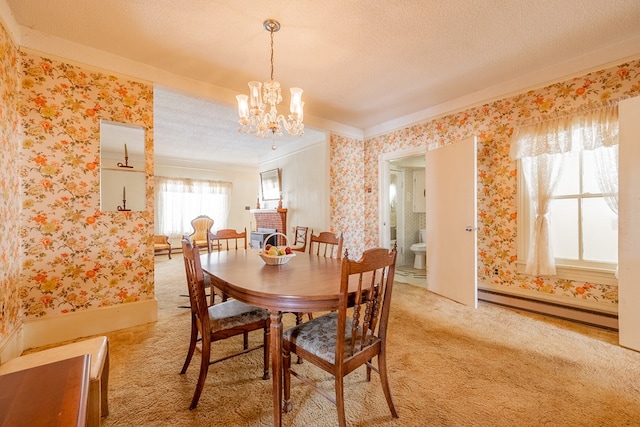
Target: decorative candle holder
{"x":123,"y":208}
{"x":126,"y":163}
{"x":126,"y":159}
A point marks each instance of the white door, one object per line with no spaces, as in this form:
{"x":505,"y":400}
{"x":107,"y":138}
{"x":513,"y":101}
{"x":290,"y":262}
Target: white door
{"x":629,"y":224}
{"x":451,"y":221}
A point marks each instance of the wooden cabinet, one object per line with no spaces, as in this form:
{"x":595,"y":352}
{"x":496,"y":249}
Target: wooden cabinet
{"x":54,"y":394}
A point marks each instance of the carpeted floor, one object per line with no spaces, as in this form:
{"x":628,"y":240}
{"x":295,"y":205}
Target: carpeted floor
{"x":449,"y":366}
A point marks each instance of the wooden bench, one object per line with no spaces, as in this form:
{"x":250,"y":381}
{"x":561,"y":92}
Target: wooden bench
{"x":98,"y":348}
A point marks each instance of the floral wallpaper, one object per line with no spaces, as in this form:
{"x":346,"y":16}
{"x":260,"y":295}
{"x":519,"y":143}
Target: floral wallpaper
{"x":9,"y":188}
{"x":493,"y":124}
{"x":347,"y":201}
{"x":74,"y":256}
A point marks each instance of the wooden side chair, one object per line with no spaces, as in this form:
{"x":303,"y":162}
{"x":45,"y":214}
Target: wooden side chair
{"x":161,"y":244}
{"x":339,"y":342}
{"x":201,"y":231}
{"x":224,"y":240}
{"x":326,"y":244}
{"x":228,"y":238}
{"x":300,"y":241}
{"x":217,"y":322}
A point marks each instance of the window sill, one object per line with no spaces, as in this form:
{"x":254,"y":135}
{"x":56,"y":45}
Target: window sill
{"x":601,"y":276}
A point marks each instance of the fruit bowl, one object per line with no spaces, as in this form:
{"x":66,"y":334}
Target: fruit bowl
{"x":276,"y":260}
{"x":276,"y":255}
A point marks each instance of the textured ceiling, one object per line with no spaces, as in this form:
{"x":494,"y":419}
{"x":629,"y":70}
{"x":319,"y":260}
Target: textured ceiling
{"x":362,"y":64}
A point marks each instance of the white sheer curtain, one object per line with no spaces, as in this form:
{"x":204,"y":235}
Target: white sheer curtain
{"x":179,"y":200}
{"x":542,"y":174}
{"x":607,"y":161}
{"x":539,"y":145}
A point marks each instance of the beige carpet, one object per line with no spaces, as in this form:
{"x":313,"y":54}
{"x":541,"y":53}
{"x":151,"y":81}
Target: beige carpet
{"x":449,"y":366}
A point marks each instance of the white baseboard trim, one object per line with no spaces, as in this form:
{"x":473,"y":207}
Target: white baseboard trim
{"x":590,"y":317}
{"x":53,"y":329}
{"x":12,"y":346}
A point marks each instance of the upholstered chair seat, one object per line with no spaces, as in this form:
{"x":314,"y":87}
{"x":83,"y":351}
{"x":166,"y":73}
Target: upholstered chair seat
{"x":319,"y":337}
{"x":233,"y":313}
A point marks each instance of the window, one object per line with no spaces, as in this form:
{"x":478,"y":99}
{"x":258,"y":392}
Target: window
{"x":179,"y":200}
{"x":568,"y":190}
{"x":583,"y":228}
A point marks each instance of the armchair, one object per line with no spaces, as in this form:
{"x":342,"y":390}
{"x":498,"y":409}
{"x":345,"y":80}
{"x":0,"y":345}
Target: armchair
{"x":161,"y":243}
{"x":201,"y":232}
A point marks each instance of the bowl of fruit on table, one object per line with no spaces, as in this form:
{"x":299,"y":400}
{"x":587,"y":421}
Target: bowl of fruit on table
{"x":276,"y":255}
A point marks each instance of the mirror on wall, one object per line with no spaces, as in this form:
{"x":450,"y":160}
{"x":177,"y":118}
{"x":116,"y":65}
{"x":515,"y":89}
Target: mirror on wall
{"x":270,"y":184}
{"x":122,"y":167}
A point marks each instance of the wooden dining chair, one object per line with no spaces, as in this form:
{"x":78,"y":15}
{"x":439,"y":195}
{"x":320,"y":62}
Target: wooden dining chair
{"x":326,"y":244}
{"x":207,"y":280}
{"x":224,"y":240}
{"x":339,"y":342}
{"x":300,"y":241}
{"x":217,"y":322}
{"x":201,"y":231}
{"x":228,"y":238}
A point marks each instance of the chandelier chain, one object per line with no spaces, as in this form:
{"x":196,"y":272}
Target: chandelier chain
{"x":271,"y":30}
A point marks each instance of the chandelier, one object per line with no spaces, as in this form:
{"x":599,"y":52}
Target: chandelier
{"x":258,"y":112}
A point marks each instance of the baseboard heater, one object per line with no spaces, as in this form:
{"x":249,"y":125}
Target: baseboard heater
{"x":576,"y":314}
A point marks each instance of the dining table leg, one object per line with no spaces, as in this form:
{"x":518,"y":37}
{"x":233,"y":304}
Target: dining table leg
{"x":276,"y":365}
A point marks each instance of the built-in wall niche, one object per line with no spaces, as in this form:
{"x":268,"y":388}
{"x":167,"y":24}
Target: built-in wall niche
{"x":122,"y":167}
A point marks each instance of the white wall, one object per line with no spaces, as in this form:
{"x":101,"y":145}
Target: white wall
{"x":244,"y":193}
{"x":305,"y":187}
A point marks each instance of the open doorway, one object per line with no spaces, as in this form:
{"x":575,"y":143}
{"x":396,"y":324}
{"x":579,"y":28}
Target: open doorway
{"x":402,"y":212}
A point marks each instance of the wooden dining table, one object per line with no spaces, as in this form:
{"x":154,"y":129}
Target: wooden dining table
{"x":307,"y":283}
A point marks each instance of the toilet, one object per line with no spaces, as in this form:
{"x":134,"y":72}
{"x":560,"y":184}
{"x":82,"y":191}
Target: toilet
{"x":420,"y":251}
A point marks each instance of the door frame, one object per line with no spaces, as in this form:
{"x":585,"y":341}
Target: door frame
{"x":384,"y":164}
{"x":399,"y":214}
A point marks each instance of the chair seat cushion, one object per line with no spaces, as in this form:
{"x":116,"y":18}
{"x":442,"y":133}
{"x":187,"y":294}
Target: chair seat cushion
{"x":319,"y":337}
{"x":231,"y":314}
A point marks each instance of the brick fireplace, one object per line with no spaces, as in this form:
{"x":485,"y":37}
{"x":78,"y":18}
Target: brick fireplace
{"x":272,"y":218}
